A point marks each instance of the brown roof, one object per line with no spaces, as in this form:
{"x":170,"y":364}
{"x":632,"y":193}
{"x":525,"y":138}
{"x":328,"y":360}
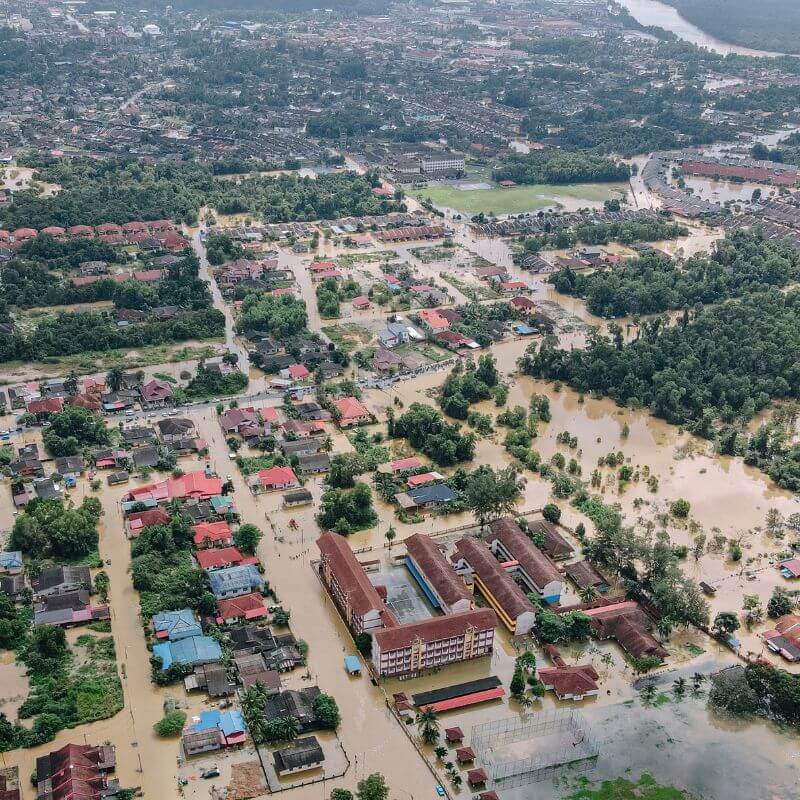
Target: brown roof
{"x":362,"y":595}
{"x":464,"y":755}
{"x":570,"y":680}
{"x":628,"y":625}
{"x":435,"y":629}
{"x":510,"y":597}
{"x":555,"y":545}
{"x":425,"y":552}
{"x":535,"y":563}
{"x":584,"y":574}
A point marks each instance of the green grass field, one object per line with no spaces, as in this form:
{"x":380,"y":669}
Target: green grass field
{"x":517,"y":199}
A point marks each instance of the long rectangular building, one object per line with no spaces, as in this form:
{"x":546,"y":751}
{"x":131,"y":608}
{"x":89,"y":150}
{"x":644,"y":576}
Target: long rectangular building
{"x":473,"y":558}
{"x":407,"y":650}
{"x":348,"y":584}
{"x":537,"y":571}
{"x":440,"y":583}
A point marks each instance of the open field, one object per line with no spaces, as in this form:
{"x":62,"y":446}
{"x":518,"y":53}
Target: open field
{"x":518,"y":199}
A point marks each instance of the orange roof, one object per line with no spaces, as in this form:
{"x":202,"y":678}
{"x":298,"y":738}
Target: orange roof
{"x":351,"y":408}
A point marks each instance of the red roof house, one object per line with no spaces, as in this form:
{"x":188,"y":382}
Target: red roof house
{"x":212,"y":534}
{"x":361,"y":302}
{"x":433,"y":320}
{"x":248,"y":606}
{"x":50,"y":405}
{"x":351,"y":411}
{"x":278,"y":478}
{"x":219,"y":557}
{"x":195,"y":485}
{"x":141,"y":519}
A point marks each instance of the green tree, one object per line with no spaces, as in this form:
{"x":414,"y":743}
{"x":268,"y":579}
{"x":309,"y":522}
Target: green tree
{"x":490,"y":495}
{"x":327,"y":711}
{"x":373,"y":787}
{"x":247,"y":537}
{"x":552,"y":513}
{"x":427,"y":721}
{"x":171,"y":725}
{"x":725,"y":623}
{"x":780,"y":603}
{"x":680,"y":508}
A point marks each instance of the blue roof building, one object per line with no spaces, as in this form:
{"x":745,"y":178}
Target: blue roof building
{"x":230,"y":724}
{"x":352,"y":665}
{"x":194,"y":650}
{"x":176,"y":625}
{"x":235,"y":581}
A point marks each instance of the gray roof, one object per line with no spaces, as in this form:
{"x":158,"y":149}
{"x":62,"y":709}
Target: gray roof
{"x":301,"y":753}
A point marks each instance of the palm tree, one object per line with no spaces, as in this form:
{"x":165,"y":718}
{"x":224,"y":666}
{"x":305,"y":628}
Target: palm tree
{"x":698,"y":679}
{"x":664,"y":627}
{"x":607,"y":660}
{"x":456,"y":780}
{"x":440,"y":752}
{"x":588,"y":594}
{"x":290,"y":727}
{"x":679,"y":687}
{"x":391,"y":535}
{"x":253,"y":700}
{"x":648,"y":694}
{"x":428,"y":725}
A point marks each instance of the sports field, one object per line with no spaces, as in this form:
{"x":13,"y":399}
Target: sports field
{"x":518,"y":199}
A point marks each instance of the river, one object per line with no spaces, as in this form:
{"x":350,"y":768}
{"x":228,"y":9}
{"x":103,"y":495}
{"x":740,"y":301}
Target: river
{"x":653,"y":12}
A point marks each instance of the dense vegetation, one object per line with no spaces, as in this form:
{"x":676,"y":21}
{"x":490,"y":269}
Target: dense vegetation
{"x":73,"y":429}
{"x":85,"y":332}
{"x":48,"y":529}
{"x":465,"y":386}
{"x":280,"y":316}
{"x":347,"y":510}
{"x":769,"y":25}
{"x":163,"y":572}
{"x":557,"y":166}
{"x":743,"y":263}
{"x":427,"y":431}
{"x":212,"y":383}
{"x":757,"y":690}
{"x":121,"y":190}
{"x":728,"y":361}
{"x":628,"y":232}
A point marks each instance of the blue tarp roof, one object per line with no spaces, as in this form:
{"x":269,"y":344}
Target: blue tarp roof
{"x":193,"y":650}
{"x":438,"y":493}
{"x":524,"y":330}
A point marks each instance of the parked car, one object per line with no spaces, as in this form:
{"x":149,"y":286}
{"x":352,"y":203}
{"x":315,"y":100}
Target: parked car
{"x":211,"y":772}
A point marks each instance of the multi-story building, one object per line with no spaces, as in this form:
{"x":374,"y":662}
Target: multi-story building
{"x":440,"y":583}
{"x":475,"y":561}
{"x":407,"y":650}
{"x":358,"y":600}
{"x":539,"y":574}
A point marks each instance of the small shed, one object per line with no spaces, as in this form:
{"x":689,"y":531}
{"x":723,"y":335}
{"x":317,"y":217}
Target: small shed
{"x":453,"y":735}
{"x":465,"y":755}
{"x":477,"y":777}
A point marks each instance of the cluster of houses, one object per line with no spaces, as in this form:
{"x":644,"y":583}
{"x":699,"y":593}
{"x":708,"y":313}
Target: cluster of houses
{"x":62,"y":596}
{"x":302,"y":440}
{"x":140,"y":447}
{"x":245,"y":274}
{"x":155,"y":235}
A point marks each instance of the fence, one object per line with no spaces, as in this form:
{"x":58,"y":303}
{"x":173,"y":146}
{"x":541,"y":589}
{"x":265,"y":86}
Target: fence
{"x":556,"y":741}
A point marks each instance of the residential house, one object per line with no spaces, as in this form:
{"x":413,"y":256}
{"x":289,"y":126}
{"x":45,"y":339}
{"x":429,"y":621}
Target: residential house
{"x":314,"y":464}
{"x":59,"y":580}
{"x":191,"y":651}
{"x":176,"y":625}
{"x":220,"y":557}
{"x":426,"y":498}
{"x":303,"y":445}
{"x":212,"y":534}
{"x":240,"y":609}
{"x":350,"y":411}
{"x":175,"y":428}
{"x":14,"y":587}
{"x":433,"y":321}
{"x":294,"y":703}
{"x":141,"y":519}
{"x":274,"y":478}
{"x":10,"y":562}
{"x":146,"y":457}
{"x":235,"y":581}
{"x":394,"y":334}
{"x":298,"y":497}
{"x":300,"y":756}
{"x":42,"y":409}
{"x":76,"y":772}
{"x":227,"y":726}
{"x":213,"y":678}
{"x":112,"y":458}
{"x":67,"y":609}
{"x":156,"y":393}
{"x":235,"y":419}
{"x":252,"y":668}
{"x":386,"y":361}
{"x":70,"y":465}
